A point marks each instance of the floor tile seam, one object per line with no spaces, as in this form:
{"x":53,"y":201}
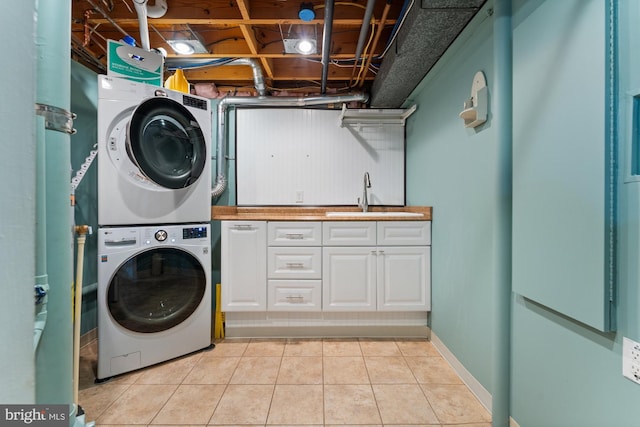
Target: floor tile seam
{"x":440,"y":422}
{"x":430,"y":404}
{"x":375,"y":399}
{"x":273,"y":393}
{"x":164,"y":404}
{"x":213,"y":413}
{"x":104,"y":410}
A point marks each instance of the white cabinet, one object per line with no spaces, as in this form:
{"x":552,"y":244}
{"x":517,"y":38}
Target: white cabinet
{"x":294,"y":266}
{"x":294,"y":295}
{"x":294,"y":233}
{"x":349,"y":278}
{"x":332,"y":266}
{"x":244,"y":265}
{"x":404,"y":278}
{"x":393,"y":275}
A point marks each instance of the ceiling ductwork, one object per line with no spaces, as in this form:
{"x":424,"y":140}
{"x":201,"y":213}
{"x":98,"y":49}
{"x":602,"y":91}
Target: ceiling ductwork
{"x":430,"y":28}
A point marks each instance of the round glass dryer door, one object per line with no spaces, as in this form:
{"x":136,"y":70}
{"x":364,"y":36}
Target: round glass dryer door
{"x":166,"y":143}
{"x":156,"y":290}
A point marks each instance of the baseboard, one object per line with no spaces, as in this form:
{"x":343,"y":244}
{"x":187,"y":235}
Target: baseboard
{"x":474,"y":385}
{"x":327,"y":331}
{"x":88,"y":337}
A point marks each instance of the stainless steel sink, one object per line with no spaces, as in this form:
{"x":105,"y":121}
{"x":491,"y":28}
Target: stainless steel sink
{"x":373,"y":214}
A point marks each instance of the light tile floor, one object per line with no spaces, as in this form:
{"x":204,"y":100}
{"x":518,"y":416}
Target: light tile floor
{"x":287,"y":382}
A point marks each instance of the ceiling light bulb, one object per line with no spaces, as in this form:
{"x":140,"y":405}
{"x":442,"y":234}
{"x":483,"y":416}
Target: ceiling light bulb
{"x":304,"y":46}
{"x":183,"y":48}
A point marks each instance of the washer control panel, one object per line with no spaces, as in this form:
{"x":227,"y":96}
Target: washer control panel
{"x":194,"y":232}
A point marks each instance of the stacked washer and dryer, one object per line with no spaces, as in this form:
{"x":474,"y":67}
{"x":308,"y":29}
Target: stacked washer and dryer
{"x":154,"y":210}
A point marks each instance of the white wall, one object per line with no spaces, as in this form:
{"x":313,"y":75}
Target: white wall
{"x":303,"y":157}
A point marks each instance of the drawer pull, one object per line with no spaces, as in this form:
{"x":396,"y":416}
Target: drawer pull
{"x":295,"y":265}
{"x":294,"y":236}
{"x":295,"y":298}
{"x":243,"y":227}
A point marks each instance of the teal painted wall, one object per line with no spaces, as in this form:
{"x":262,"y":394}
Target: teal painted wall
{"x":17,"y":210}
{"x":453,"y":169}
{"x":564,"y":373}
{"x":84,"y":103}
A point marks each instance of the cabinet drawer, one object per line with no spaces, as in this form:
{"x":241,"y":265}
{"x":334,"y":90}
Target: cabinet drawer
{"x":294,"y":295}
{"x":297,"y":233}
{"x":294,"y":262}
{"x":349,"y":233}
{"x":404,"y":233}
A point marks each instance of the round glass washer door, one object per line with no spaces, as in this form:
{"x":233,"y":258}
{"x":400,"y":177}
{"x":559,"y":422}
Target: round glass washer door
{"x":166,"y":143}
{"x":156,"y":290}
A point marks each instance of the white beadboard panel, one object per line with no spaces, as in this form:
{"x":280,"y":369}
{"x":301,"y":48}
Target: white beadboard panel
{"x":298,"y":156}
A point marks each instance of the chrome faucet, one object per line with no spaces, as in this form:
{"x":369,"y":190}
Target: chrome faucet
{"x":365,"y":197}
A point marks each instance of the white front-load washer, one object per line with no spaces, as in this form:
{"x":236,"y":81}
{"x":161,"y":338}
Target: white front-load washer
{"x":154,"y":154}
{"x":154,"y":295}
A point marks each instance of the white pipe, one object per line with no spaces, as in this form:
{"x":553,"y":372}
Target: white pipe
{"x":144,"y":11}
{"x":77,"y":313}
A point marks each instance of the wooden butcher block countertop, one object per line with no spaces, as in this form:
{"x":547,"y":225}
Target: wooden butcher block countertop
{"x":324,"y":213}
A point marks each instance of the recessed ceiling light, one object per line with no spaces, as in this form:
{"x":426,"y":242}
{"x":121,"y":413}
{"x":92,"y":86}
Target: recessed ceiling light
{"x":187,"y":47}
{"x":301,"y":46}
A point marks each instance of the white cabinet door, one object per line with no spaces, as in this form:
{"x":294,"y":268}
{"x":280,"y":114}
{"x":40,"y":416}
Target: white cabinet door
{"x":244,"y":265}
{"x":404,"y":278}
{"x":349,"y":278}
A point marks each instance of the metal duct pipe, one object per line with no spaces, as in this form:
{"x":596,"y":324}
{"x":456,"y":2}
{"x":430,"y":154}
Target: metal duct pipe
{"x":326,"y":43}
{"x":258,"y":78}
{"x":144,"y":11}
{"x":221,"y":180}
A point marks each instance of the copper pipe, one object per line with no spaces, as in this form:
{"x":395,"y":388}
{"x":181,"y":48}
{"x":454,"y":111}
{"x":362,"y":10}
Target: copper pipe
{"x":87,"y":30}
{"x":385,"y":12}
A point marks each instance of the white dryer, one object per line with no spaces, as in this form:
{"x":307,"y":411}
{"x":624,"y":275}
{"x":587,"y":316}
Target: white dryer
{"x":154,"y":295}
{"x":154,"y":154}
